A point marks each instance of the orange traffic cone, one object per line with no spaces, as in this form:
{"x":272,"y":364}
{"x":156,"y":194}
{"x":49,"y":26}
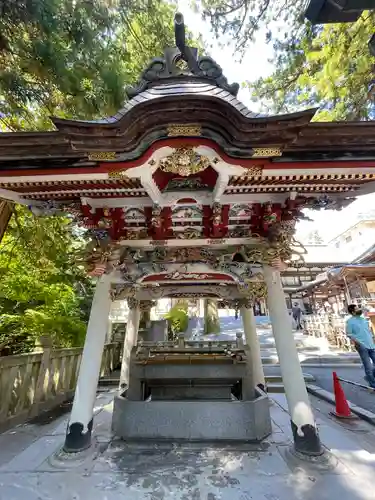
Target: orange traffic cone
{"x":342,"y":407}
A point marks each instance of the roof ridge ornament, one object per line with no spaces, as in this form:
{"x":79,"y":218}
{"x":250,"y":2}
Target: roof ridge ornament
{"x":203,"y":67}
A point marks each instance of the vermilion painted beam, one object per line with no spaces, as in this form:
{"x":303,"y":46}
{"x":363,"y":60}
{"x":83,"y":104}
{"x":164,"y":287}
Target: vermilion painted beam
{"x":265,"y":163}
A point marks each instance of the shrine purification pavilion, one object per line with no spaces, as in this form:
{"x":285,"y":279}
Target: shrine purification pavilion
{"x":187,"y":193}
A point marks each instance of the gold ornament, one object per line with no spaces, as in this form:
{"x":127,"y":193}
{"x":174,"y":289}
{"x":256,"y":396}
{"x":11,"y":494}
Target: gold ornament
{"x":254,"y":171}
{"x":146,"y":305}
{"x":119,"y":174}
{"x":133,"y":303}
{"x":121,"y":292}
{"x":102,"y":156}
{"x":184,"y":130}
{"x":266,"y":152}
{"x":252,"y":291}
{"x":184,"y":162}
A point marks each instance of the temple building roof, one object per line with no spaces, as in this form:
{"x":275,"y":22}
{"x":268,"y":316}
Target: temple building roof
{"x":188,"y":87}
{"x":184,"y":164}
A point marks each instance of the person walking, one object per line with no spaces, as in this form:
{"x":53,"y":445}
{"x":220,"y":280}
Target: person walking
{"x":297,"y":313}
{"x":358,"y":330}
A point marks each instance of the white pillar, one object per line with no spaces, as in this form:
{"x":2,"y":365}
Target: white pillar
{"x":79,"y":430}
{"x":252,"y":340}
{"x":130,"y":340}
{"x":306,"y":439}
{"x":108,"y":336}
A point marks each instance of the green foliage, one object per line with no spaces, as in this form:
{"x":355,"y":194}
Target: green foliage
{"x":178,"y":319}
{"x":71,"y":59}
{"x":42,"y":290}
{"x":211,"y":316}
{"x":328,"y":67}
{"x":74,"y":59}
{"x":241,"y":20}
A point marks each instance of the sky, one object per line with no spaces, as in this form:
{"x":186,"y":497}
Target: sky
{"x":256,"y":64}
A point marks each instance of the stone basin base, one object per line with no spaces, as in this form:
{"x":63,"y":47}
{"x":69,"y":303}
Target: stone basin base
{"x":192,"y":420}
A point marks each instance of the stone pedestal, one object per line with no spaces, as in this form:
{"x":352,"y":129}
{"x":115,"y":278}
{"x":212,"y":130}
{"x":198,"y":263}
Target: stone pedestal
{"x":189,"y":393}
{"x":193,"y":420}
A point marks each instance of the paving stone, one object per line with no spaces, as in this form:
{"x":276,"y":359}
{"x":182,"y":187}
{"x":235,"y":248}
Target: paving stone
{"x":237,"y":481}
{"x":117,"y":470}
{"x":34,"y":455}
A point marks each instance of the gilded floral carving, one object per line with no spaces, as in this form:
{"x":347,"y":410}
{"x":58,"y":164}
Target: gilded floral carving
{"x":184,"y":161}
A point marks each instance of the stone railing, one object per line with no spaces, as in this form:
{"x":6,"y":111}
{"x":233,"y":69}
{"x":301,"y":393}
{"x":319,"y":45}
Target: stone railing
{"x":37,"y":381}
{"x":330,"y":327}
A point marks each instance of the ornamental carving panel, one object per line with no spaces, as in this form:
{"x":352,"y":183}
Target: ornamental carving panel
{"x":133,"y":303}
{"x":102,"y":156}
{"x":121,"y":292}
{"x":266,"y":152}
{"x":184,"y":130}
{"x":252,"y":291}
{"x":184,"y":162}
{"x":146,"y":305}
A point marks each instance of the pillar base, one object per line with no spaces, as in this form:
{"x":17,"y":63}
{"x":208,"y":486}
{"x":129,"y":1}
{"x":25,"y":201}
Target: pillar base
{"x":76,"y":440}
{"x":307,"y":442}
{"x":324,"y":463}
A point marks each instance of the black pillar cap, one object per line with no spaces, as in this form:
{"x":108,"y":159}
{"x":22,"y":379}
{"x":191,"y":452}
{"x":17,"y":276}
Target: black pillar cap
{"x":76,"y":440}
{"x":307,"y":440}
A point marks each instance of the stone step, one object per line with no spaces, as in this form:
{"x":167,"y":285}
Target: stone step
{"x":277,"y":379}
{"x":316,"y":359}
{"x":275,"y":383}
{"x":275,"y":388}
{"x":300,"y":348}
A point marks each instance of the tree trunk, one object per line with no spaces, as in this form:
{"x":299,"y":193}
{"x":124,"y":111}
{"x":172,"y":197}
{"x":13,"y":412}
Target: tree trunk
{"x":5,"y":214}
{"x":211,"y":316}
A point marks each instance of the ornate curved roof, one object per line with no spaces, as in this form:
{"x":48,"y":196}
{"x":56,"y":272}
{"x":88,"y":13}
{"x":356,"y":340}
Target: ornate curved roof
{"x":188,"y":88}
{"x":183,"y":96}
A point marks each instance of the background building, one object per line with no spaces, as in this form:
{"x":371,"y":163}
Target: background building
{"x":354,"y":245}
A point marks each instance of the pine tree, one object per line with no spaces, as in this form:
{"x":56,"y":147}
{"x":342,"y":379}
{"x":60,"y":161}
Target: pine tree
{"x":328,"y":67}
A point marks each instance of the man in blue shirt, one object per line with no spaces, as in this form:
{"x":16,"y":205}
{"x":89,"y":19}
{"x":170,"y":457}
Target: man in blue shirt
{"x":358,"y":330}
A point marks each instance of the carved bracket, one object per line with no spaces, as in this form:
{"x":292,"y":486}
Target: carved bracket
{"x":146,"y":305}
{"x":133,"y":303}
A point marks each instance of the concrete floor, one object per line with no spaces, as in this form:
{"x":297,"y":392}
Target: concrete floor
{"x":32,"y":466}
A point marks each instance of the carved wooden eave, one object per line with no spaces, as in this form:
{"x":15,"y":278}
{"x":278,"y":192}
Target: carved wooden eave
{"x":134,"y":133}
{"x":36,"y":146}
{"x":135,"y":130}
{"x":252,"y":159}
{"x":350,"y":138}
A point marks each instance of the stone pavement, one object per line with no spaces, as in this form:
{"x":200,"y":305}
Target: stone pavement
{"x":32,"y":466}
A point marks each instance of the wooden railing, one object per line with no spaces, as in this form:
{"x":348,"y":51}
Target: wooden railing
{"x":330,"y":327}
{"x":31,"y":383}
